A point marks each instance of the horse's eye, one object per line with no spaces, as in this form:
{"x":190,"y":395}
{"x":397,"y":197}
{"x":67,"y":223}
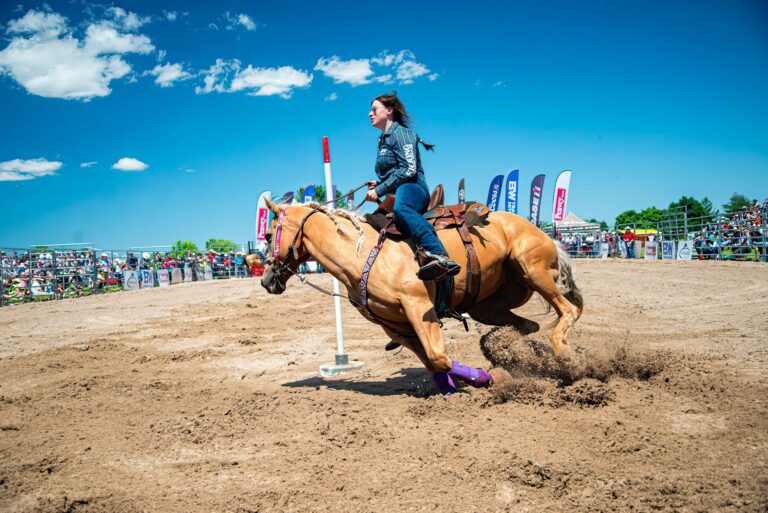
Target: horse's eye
{"x":268,"y":238}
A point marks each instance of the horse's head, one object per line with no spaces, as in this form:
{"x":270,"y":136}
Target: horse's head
{"x":286,"y":249}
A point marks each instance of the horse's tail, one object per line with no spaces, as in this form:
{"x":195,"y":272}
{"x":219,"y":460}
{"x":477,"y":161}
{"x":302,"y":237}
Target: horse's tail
{"x":566,"y":284}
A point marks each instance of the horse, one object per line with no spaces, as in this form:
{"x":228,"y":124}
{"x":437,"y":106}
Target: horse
{"x":516,"y":260}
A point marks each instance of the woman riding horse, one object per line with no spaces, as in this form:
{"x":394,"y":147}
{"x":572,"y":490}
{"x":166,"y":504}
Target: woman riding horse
{"x":398,"y":167}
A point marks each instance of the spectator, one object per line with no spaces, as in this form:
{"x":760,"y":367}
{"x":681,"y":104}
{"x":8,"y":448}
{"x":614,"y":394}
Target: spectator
{"x":629,"y":242}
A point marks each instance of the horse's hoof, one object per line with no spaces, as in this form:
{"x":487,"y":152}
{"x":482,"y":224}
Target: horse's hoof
{"x":500,"y":377}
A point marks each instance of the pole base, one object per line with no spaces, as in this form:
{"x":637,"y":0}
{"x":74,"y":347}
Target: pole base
{"x":340,"y":366}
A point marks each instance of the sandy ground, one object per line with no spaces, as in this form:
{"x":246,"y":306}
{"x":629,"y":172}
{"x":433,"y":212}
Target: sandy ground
{"x":206,"y":397}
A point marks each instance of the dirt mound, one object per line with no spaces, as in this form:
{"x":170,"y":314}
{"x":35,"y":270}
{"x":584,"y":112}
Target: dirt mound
{"x":532,"y":356}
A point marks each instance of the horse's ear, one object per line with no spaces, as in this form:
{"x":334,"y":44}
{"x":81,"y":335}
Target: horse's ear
{"x":271,"y":205}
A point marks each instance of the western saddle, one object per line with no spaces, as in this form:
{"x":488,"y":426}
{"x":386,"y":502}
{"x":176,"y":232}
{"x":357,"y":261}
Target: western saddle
{"x":462,"y":217}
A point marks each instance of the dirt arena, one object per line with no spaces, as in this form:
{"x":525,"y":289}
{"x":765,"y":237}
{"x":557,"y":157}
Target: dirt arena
{"x":206,"y":397}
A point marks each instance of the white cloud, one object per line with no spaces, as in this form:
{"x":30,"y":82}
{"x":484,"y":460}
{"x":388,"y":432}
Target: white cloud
{"x":88,"y":164}
{"x":354,"y":71}
{"x":235,"y":21}
{"x":49,"y":23}
{"x":332,"y":97}
{"x":246,"y":21}
{"x":167,"y":74}
{"x":49,"y":61}
{"x":17,"y":170}
{"x":129,"y":164}
{"x":409,"y":70}
{"x":257,"y":81}
{"x":170,"y":15}
{"x":161,"y":55}
{"x":104,"y":39}
{"x":128,"y":20}
{"x":402,"y":65}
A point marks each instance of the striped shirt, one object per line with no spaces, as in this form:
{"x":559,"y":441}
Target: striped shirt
{"x":398,"y":160}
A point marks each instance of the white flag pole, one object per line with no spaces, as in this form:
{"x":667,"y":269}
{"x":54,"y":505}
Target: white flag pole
{"x":342,"y":363}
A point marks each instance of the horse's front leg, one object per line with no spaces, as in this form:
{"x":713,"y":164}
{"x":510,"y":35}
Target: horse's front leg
{"x":423,"y":319}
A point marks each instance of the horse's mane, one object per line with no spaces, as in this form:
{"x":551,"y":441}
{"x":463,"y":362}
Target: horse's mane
{"x":333,"y":213}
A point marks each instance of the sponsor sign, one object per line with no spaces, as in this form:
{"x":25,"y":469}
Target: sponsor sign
{"x":309,"y":194}
{"x":603,"y":250}
{"x":512,"y":180}
{"x":187,"y":273}
{"x":668,"y":250}
{"x":262,"y":216}
{"x":560,"y":201}
{"x":176,"y":276}
{"x":147,"y":278}
{"x":208,"y":272}
{"x":638,"y":248}
{"x":493,"y":192}
{"x":684,"y":250}
{"x":163,"y":278}
{"x":130,"y":280}
{"x":351,"y":201}
{"x":462,"y":197}
{"x":536,"y":187}
{"x":651,"y":251}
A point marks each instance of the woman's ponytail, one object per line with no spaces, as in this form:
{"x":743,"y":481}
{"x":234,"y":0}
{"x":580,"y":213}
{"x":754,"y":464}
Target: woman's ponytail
{"x":428,"y":147}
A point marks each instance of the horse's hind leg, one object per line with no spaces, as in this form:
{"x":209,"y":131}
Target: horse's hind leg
{"x":544,"y":281}
{"x":495,"y":310}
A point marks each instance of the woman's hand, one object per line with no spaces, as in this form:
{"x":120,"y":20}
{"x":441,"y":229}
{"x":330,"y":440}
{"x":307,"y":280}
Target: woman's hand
{"x":371,"y":195}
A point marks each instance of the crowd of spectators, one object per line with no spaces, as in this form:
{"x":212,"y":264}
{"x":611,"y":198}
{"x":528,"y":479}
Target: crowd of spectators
{"x":738,"y":234}
{"x":56,"y":274}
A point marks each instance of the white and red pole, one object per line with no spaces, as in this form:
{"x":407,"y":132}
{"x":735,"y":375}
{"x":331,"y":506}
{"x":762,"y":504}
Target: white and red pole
{"x":341,"y":357}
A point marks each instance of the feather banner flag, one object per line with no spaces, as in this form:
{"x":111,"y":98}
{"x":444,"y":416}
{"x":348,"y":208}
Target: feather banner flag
{"x":512,"y":180}
{"x":493,"y":192}
{"x":537,"y":185}
{"x":560,"y":200}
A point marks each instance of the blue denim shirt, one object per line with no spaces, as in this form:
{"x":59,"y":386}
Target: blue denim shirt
{"x":398,"y":161}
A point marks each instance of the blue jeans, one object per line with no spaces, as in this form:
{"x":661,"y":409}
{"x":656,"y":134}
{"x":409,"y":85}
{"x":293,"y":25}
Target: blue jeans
{"x":411,"y":201}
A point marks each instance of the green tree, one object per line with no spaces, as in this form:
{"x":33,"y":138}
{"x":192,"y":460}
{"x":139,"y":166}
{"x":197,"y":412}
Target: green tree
{"x":694,"y":207}
{"x":736,"y":202}
{"x":603,"y":224}
{"x":627,"y":217}
{"x":319,"y":196}
{"x":181,"y":247}
{"x":220,"y":245}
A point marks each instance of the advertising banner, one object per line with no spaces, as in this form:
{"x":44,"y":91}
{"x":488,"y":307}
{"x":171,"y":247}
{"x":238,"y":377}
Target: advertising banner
{"x":638,"y":249}
{"x":176,"y":276}
{"x":536,"y":187}
{"x":287,"y":198}
{"x":668,"y":250}
{"x":163,"y":278}
{"x":262,"y":216}
{"x":208,"y":274}
{"x":560,"y":200}
{"x":651,"y":251}
{"x":493,"y":192}
{"x":147,"y":278}
{"x":603,"y":250}
{"x":187,"y":273}
{"x":684,"y":250}
{"x":462,"y":197}
{"x":512,"y":181}
{"x":130,"y":280}
{"x":309,"y":194}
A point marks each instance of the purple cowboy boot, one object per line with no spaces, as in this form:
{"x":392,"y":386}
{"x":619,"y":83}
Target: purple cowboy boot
{"x":478,"y":378}
{"x":444,"y":383}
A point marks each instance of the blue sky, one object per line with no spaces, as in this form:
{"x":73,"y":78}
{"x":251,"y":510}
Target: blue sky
{"x":644,"y":101}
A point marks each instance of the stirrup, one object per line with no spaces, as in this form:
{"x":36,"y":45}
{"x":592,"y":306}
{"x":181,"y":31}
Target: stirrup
{"x":438,"y":269}
{"x":391,"y":346}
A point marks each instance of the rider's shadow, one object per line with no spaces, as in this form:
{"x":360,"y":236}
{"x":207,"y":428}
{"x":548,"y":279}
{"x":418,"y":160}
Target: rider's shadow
{"x":414,"y":382}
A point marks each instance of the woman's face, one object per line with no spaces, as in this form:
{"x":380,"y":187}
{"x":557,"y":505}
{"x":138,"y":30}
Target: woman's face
{"x":379,"y":114}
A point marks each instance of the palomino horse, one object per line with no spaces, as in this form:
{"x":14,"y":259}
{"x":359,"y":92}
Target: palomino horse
{"x":516,"y":260}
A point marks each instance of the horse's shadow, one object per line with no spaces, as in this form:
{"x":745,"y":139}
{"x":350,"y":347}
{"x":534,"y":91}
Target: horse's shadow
{"x":414,"y":382}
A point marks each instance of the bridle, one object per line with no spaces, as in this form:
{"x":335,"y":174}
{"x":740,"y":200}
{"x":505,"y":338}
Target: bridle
{"x":280,"y":267}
